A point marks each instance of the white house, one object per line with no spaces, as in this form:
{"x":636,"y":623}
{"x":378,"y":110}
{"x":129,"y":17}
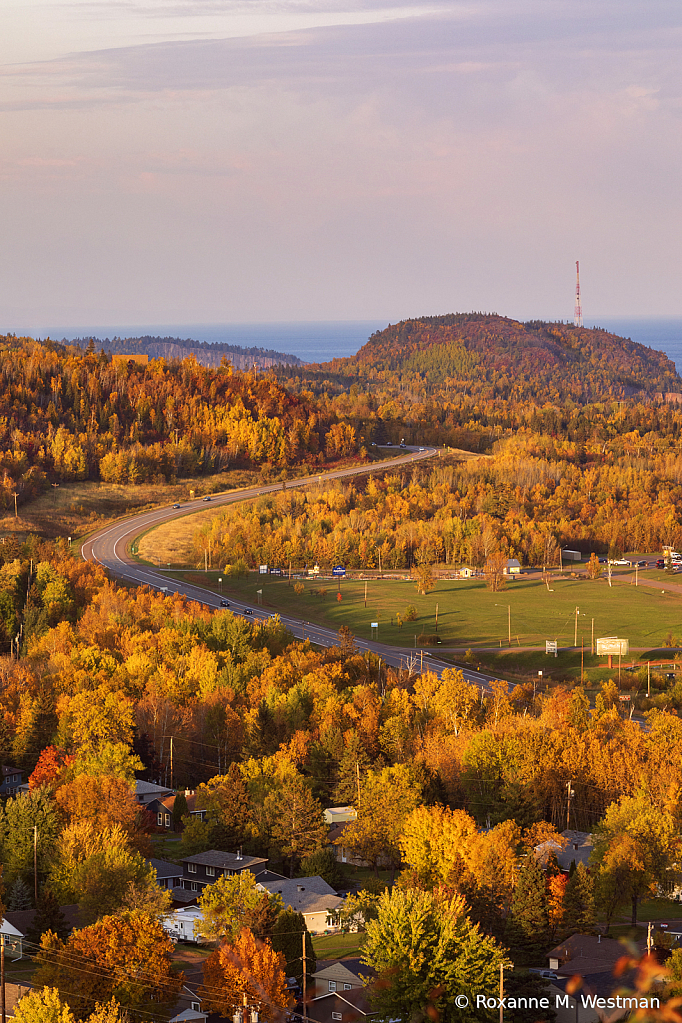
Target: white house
{"x":334,"y":815}
{"x":311,"y":896}
{"x":180,"y":923}
{"x":12,"y":938}
{"x":512,"y":567}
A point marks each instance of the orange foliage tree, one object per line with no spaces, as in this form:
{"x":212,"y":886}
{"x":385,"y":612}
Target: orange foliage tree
{"x":246,"y":967}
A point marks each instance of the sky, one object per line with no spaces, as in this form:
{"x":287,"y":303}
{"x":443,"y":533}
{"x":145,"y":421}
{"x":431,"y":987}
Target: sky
{"x":267,"y":160}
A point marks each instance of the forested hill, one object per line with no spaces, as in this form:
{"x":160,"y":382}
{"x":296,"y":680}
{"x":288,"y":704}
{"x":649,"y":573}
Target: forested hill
{"x":182,"y":348}
{"x":497,"y":357}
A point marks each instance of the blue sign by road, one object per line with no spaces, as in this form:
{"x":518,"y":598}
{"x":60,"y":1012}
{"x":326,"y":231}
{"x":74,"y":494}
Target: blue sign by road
{"x":338,"y":570}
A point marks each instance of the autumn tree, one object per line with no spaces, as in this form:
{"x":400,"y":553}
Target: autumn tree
{"x":426,"y":952}
{"x":423,"y":573}
{"x":18,"y":818}
{"x":636,"y":848}
{"x":593,"y":567}
{"x":245,"y":967}
{"x":226,"y":800}
{"x":103,"y":802}
{"x":43,"y":1006}
{"x":495,"y":577}
{"x":48,"y":917}
{"x":298,"y":827}
{"x":387,"y":797}
{"x":126,"y":957}
{"x":231,"y":903}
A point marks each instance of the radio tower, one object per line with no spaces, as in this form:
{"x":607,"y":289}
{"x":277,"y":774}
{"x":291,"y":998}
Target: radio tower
{"x":578,"y":314}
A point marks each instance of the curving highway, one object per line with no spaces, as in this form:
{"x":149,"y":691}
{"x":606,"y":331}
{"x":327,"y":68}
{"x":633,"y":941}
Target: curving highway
{"x":110,"y":548}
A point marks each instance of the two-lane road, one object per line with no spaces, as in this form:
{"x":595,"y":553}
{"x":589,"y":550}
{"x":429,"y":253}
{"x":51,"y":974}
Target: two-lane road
{"x":110,"y":548}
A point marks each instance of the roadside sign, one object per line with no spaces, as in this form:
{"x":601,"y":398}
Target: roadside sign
{"x":612,"y":645}
{"x":624,"y":699}
{"x":275,"y":571}
{"x":263,"y":569}
{"x":338,"y":570}
{"x":551,"y":646}
{"x":374,"y":625}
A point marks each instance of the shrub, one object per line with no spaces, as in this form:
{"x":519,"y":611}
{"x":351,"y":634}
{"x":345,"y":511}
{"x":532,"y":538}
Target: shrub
{"x":410,"y":613}
{"x":299,"y":588}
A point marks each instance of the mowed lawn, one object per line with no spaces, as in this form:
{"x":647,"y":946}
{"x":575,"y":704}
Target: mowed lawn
{"x":468,"y":614}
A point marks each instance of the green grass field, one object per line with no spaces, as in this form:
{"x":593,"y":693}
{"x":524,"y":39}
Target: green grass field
{"x":469,"y":616}
{"x":337,"y":946}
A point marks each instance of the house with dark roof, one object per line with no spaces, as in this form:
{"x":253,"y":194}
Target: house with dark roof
{"x":311,"y":896}
{"x":584,"y":954}
{"x":341,"y":1007}
{"x":205,"y":868}
{"x":339,"y":975}
{"x":146,"y":791}
{"x":575,"y":847}
{"x":10,"y":780}
{"x":168,"y":875}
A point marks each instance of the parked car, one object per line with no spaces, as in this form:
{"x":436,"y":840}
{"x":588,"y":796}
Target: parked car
{"x":660,"y":563}
{"x":619,"y":561}
{"x":642,"y":564}
{"x":547,"y":974}
{"x":224,"y":603}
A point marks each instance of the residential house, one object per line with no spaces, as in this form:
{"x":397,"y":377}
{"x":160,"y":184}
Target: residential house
{"x":183,"y":897}
{"x":467,"y":572}
{"x":334,"y":815}
{"x":577,"y":847}
{"x":205,"y":868}
{"x":341,"y":1007}
{"x":146,"y":791}
{"x":585,"y":953}
{"x":162,"y":812}
{"x":168,"y":875}
{"x":10,"y":782}
{"x":512,"y":567}
{"x":12,"y":939}
{"x":339,"y":975}
{"x":311,"y":896}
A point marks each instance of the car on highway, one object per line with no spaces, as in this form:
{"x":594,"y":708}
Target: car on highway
{"x":224,"y":603}
{"x":208,"y":497}
{"x":619,"y":561}
{"x":247,"y":611}
{"x":176,"y":505}
{"x":660,"y":563}
{"x":642,"y":564}
{"x":422,"y":449}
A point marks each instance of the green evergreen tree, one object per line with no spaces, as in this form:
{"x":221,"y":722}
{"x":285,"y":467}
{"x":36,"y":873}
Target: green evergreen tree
{"x":287,"y":939}
{"x":19,"y":895}
{"x":354,"y":759}
{"x":527,"y":931}
{"x":578,"y":905}
{"x":180,"y":809}
{"x":323,"y":863}
{"x":49,"y":917}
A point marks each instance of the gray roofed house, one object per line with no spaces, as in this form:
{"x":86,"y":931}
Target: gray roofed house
{"x":168,"y":875}
{"x":146,"y":791}
{"x":577,"y":847}
{"x":339,"y":975}
{"x":311,"y":896}
{"x":270,"y":875}
{"x":583,"y":954}
{"x":342,"y":1006}
{"x":205,"y":868}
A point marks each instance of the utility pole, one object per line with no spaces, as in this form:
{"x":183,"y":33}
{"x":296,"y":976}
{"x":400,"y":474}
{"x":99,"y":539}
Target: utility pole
{"x":501,"y":992}
{"x":305,"y":984}
{"x":648,"y":939}
{"x":436,"y":617}
{"x":575,"y":638}
{"x":592,"y":645}
{"x":365,"y":593}
{"x":648,"y":678}
{"x":15,"y":505}
{"x":357,"y":772}
{"x":35,"y":863}
{"x":421,"y":668}
{"x":570,"y":794}
{"x":171,"y":761}
{"x":582,"y":659}
{"x":2,"y":978}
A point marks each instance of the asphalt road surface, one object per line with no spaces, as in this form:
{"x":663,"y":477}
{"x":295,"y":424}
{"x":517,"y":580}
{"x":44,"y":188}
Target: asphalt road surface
{"x":109,"y":548}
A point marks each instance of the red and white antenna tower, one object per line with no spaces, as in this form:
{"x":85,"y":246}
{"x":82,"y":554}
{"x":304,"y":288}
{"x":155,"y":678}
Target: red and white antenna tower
{"x":578,"y":314}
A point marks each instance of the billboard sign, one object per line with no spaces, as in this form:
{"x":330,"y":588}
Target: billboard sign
{"x":611,"y":645}
{"x":338,"y":570}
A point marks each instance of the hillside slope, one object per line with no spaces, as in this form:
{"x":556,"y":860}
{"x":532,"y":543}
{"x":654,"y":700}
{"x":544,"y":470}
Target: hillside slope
{"x":497,"y":357}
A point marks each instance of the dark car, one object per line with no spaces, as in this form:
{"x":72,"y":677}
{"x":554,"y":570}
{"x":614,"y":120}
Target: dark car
{"x":642,"y":564}
{"x":247,"y":611}
{"x":660,"y":563}
{"x":176,"y":505}
{"x":208,"y":497}
{"x":224,"y":603}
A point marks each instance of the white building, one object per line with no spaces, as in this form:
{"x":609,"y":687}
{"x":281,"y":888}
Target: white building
{"x":179,"y":924}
